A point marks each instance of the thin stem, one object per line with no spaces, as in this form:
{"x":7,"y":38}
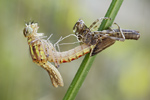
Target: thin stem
{"x":88,"y":61}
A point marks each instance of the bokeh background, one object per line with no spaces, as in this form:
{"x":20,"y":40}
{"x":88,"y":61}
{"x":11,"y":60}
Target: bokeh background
{"x":121,"y":72}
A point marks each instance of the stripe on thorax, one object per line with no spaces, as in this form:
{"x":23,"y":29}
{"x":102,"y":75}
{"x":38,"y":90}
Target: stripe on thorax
{"x":37,"y":52}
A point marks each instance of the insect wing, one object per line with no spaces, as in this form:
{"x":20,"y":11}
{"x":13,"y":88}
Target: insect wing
{"x":101,"y":45}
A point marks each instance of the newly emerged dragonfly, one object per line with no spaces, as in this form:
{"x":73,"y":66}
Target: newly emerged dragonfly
{"x":43,"y":52}
{"x":102,"y":39}
{"x":38,"y":50}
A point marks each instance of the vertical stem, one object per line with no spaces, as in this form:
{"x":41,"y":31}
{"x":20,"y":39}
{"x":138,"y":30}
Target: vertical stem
{"x":88,"y":61}
{"x":111,"y":13}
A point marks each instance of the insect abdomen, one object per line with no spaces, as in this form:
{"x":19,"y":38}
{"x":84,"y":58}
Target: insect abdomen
{"x":73,"y":54}
{"x":129,"y":34}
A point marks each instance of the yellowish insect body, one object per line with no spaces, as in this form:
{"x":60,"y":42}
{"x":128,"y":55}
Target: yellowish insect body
{"x":38,"y":53}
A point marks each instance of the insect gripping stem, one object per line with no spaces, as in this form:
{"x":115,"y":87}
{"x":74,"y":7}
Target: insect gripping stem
{"x":102,"y":39}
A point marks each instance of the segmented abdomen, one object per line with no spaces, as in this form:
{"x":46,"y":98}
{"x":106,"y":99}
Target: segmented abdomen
{"x":70,"y":55}
{"x":129,"y":34}
{"x":42,"y":51}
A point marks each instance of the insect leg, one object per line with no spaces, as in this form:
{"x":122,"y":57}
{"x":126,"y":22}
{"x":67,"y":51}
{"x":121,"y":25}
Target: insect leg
{"x":34,"y":41}
{"x":49,"y":37}
{"x":96,"y":23}
{"x":53,"y":54}
{"x":57,"y":43}
{"x":119,"y":39}
{"x":104,"y":34}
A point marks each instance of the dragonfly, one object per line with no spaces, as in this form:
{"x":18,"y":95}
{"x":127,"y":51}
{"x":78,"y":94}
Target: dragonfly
{"x":43,"y":52}
{"x":102,"y":39}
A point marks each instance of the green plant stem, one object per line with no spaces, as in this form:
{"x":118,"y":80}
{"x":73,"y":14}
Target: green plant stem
{"x":88,"y":61}
{"x":111,"y":13}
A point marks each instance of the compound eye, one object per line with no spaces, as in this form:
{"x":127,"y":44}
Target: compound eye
{"x":27,"y":31}
{"x":74,"y":27}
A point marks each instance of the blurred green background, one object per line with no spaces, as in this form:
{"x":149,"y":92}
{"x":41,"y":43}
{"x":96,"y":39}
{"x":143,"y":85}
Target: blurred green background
{"x":121,"y":72}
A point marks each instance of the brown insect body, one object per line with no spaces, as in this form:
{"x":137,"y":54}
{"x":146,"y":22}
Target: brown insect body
{"x":129,"y":34}
{"x":101,"y":39}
